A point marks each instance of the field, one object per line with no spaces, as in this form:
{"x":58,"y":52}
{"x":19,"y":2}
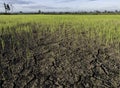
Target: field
{"x":60,"y":51}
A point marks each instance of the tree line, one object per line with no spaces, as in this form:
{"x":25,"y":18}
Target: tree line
{"x":77,"y":12}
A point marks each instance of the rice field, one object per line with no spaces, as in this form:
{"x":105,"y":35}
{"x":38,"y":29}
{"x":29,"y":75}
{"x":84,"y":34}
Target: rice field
{"x":104,"y":27}
{"x":47,"y":49}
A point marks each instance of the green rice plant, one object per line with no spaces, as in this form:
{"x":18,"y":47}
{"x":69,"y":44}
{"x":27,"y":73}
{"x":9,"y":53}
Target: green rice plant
{"x":102,"y":28}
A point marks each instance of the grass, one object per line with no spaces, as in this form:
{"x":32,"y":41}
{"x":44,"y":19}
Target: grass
{"x":105,"y":28}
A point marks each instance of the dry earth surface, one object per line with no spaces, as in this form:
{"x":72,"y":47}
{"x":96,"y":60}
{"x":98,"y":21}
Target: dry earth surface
{"x":57,"y":60}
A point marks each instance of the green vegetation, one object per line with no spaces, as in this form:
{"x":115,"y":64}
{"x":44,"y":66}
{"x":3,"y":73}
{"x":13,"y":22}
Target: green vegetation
{"x":60,"y":51}
{"x":103,"y":27}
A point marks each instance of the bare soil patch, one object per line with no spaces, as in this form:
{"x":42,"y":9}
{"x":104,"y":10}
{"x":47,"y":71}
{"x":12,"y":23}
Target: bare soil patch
{"x":57,"y":60}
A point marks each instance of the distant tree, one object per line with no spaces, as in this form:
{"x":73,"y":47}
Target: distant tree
{"x":97,"y":12}
{"x":105,"y":11}
{"x":20,"y":12}
{"x":39,"y":11}
{"x":7,"y":7}
{"x":116,"y":11}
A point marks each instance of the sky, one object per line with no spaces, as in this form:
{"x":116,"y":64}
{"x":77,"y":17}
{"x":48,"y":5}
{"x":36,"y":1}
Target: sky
{"x":61,"y":5}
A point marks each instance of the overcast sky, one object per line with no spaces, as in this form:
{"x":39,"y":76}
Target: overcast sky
{"x":61,"y":5}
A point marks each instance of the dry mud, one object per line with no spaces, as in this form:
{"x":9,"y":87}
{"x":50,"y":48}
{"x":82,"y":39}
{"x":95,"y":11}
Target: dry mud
{"x":57,"y":60}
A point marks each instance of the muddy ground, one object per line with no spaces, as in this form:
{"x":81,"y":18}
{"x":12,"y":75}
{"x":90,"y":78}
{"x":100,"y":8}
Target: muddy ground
{"x":57,"y":60}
